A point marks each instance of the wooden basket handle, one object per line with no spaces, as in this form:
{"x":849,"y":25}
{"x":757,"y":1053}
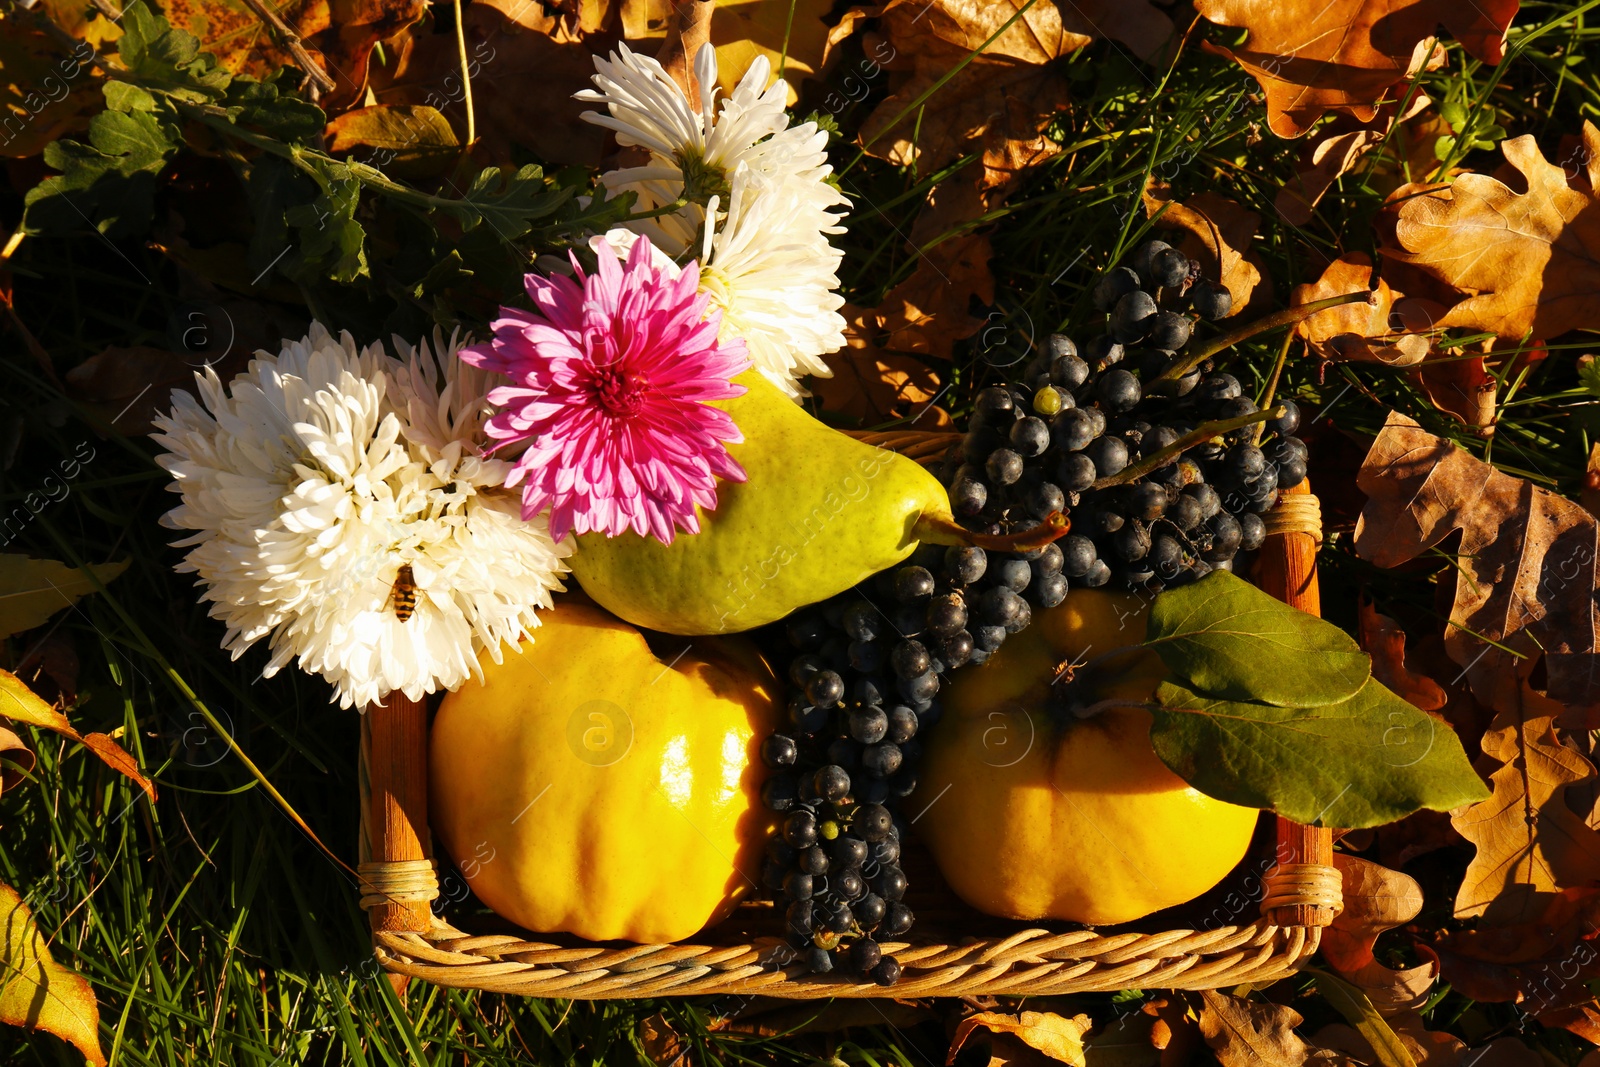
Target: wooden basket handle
{"x":1286,"y":567}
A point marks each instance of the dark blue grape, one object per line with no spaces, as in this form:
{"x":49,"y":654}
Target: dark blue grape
{"x":779,"y":750}
{"x":1113,"y":286}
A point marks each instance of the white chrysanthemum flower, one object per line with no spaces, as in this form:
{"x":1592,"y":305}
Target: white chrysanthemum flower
{"x":754,"y":265}
{"x":698,"y":156}
{"x":315,"y":475}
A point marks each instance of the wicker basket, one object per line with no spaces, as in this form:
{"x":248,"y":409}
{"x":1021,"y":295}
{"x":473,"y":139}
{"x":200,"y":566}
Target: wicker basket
{"x":952,"y":952}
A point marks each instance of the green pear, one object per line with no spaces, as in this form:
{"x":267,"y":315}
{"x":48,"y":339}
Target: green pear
{"x":818,"y":512}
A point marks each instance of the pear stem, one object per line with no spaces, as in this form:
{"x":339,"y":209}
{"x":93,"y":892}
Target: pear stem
{"x":1286,"y":317}
{"x":938,"y":530}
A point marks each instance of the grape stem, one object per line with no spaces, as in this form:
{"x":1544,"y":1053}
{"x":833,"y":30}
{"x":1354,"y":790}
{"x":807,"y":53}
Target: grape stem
{"x":940,"y":530}
{"x":1287,"y":317}
{"x":1156,"y":460}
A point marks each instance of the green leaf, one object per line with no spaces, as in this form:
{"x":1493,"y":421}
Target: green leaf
{"x":1358,"y":1011}
{"x":1364,"y":761}
{"x":32,"y":590}
{"x":331,"y":243}
{"x":108,"y":183}
{"x":1229,"y":639}
{"x":259,"y":104}
{"x":509,"y":205}
{"x":38,"y":993}
{"x":158,"y":54}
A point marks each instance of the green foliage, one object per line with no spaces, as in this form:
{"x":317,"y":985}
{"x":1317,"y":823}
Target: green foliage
{"x":1366,"y":760}
{"x":1227,"y":638}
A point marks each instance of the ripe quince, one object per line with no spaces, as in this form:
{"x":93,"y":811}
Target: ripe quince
{"x":586,"y":786}
{"x":1033,"y":812}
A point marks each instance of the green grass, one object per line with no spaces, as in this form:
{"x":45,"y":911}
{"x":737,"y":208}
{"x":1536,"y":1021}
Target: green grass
{"x":216,"y":933}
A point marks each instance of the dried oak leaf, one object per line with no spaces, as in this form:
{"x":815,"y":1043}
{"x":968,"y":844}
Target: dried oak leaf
{"x":1000,"y":103}
{"x":792,"y":36}
{"x":1430,"y":1048}
{"x":1529,"y":260}
{"x":1346,"y":55}
{"x":872,"y":386}
{"x":928,"y":312}
{"x":1375,"y":899}
{"x":1258,"y":1033}
{"x":46,"y":93}
{"x":1397,"y":331}
{"x":38,"y":993}
{"x":1339,"y":146}
{"x":1217,"y":233}
{"x":1543,"y":964}
{"x":1049,"y":1037}
{"x":1531,"y":844}
{"x":1526,"y":573}
{"x":1385,"y":642}
{"x":340,"y":34}
{"x":1581,"y":1019}
{"x":1360,"y":332}
{"x":519,"y":53}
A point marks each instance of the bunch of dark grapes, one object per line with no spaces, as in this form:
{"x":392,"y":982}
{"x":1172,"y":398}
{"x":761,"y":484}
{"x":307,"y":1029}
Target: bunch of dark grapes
{"x":865,"y":678}
{"x":1082,"y":416}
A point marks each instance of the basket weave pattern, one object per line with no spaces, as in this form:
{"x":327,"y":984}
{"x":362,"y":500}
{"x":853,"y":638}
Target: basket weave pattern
{"x":1301,"y":893}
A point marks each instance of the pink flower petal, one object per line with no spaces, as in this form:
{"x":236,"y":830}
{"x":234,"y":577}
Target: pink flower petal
{"x":613,"y":371}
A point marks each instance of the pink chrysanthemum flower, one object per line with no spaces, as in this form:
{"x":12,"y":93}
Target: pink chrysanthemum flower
{"x":611,"y":376}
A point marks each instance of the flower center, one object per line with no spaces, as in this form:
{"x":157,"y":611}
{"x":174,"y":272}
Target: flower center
{"x":619,"y":393}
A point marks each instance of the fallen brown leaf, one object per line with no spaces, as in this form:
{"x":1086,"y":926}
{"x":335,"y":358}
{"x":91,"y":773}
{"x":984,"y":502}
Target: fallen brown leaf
{"x":129,"y":385}
{"x":1346,"y":55}
{"x":1375,"y":899}
{"x":793,"y":36}
{"x":1339,"y":147}
{"x":16,"y":760}
{"x":929,"y":311}
{"x":47,"y":92}
{"x":517,"y":52}
{"x":33,"y":590}
{"x":1526,"y":574}
{"x":1528,"y":260}
{"x":1258,"y":1033}
{"x":1361,"y":332}
{"x":1589,"y":495}
{"x":339,"y":34}
{"x":407,"y":140}
{"x":38,"y":993}
{"x":20,"y":704}
{"x":872,"y":386}
{"x":1459,"y":383}
{"x":1218,"y":233}
{"x":1059,"y":1039}
{"x":1174,"y":1030}
{"x":1531,"y":843}
{"x":1385,"y":642}
{"x":998,"y":105}
{"x":1581,"y":1019}
{"x":1542,"y":964}
{"x":1430,"y":1048}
